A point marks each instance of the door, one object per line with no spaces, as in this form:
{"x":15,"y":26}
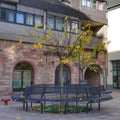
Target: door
{"x":66,"y":75}
{"x":23,"y":76}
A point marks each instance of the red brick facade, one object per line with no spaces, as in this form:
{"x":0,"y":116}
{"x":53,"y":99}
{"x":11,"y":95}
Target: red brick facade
{"x":12,"y":53}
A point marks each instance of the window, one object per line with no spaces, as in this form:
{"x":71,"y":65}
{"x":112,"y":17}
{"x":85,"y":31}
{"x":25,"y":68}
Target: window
{"x":84,"y":2}
{"x":75,"y":26}
{"x":56,"y":23}
{"x":29,"y":19}
{"x":99,"y":6}
{"x":116,"y":74}
{"x":23,"y":76}
{"x":72,"y":26}
{"x":38,"y":19}
{"x":10,"y":15}
{"x":88,"y":3}
{"x":59,"y":22}
{"x":50,"y":22}
{"x":20,"y":18}
{"x":3,"y":14}
{"x":93,"y":4}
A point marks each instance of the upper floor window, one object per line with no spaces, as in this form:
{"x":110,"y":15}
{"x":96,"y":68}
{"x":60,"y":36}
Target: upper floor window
{"x":93,"y":4}
{"x":55,"y":22}
{"x":75,"y":26}
{"x":58,"y":23}
{"x":38,"y":19}
{"x":2,"y":14}
{"x":20,"y":18}
{"x":10,"y":15}
{"x":50,"y":22}
{"x":29,"y":19}
{"x":72,"y":25}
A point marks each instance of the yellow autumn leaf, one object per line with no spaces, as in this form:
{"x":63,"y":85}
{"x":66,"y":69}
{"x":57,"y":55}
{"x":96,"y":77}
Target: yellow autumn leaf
{"x":27,"y":34}
{"x":20,"y":40}
{"x":64,"y":61}
{"x":22,"y":96}
{"x":39,"y":45}
{"x":66,"y":18}
{"x":41,"y":60}
{"x":65,"y":32}
{"x":35,"y":45}
{"x":51,"y":47}
{"x":60,"y":42}
{"x":77,"y":46}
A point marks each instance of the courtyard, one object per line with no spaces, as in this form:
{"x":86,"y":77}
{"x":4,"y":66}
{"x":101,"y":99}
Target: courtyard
{"x":109,"y":110}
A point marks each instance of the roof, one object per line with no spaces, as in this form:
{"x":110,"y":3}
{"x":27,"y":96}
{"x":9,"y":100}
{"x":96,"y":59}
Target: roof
{"x":54,"y":6}
{"x":113,"y":4}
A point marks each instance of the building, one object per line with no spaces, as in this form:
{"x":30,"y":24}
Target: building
{"x":113,"y":79}
{"x":20,"y":65}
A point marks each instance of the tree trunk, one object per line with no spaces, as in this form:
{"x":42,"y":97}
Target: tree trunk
{"x":61,"y":79}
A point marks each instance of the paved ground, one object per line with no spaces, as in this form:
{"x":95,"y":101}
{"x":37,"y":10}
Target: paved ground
{"x":109,"y":111}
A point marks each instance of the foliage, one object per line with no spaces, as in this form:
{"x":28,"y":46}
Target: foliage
{"x":85,"y":58}
{"x":56,"y":108}
{"x":67,"y":46}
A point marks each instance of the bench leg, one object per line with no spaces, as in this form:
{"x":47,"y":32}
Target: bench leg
{"x":99,"y":105}
{"x":87,"y":107}
{"x":41,"y":107}
{"x":65,"y":110}
{"x":25,"y":105}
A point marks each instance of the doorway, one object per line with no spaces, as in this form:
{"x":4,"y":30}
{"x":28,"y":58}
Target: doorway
{"x":23,"y":76}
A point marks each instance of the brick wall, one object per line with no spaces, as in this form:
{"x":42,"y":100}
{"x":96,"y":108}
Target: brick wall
{"x":11,"y":53}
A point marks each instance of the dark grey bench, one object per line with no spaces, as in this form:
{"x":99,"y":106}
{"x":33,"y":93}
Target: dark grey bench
{"x":96,"y":95}
{"x":85,"y":94}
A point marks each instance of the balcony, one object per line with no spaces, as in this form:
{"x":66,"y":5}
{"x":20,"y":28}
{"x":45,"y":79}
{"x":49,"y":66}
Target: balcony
{"x":95,"y":40}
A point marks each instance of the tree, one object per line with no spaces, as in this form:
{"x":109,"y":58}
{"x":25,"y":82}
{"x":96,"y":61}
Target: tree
{"x":82,"y":57}
{"x":66,"y":45}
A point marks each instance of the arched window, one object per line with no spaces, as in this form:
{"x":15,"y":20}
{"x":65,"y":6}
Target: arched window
{"x":23,"y":76}
{"x":66,"y":75}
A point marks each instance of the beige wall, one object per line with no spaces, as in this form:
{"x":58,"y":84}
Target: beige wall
{"x":113,"y":36}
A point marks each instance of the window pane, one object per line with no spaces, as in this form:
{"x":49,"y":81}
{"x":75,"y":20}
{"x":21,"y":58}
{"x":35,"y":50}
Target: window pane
{"x":17,"y":79}
{"x":114,"y":64}
{"x":38,"y":20}
{"x":88,"y":3}
{"x":114,"y":72}
{"x":59,"y":23}
{"x":3,"y":14}
{"x":20,"y":18}
{"x":84,"y":2}
{"x":67,"y":26}
{"x":74,"y":26}
{"x":10,"y":16}
{"x":100,"y":6}
{"x":29,"y":19}
{"x":50,"y":22}
{"x":94,"y":4}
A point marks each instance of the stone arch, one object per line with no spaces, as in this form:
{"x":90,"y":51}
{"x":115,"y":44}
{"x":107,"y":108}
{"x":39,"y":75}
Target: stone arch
{"x":23,"y":75}
{"x":93,"y":77}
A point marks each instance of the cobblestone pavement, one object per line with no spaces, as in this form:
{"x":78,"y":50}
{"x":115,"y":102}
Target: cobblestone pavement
{"x":110,"y":110}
